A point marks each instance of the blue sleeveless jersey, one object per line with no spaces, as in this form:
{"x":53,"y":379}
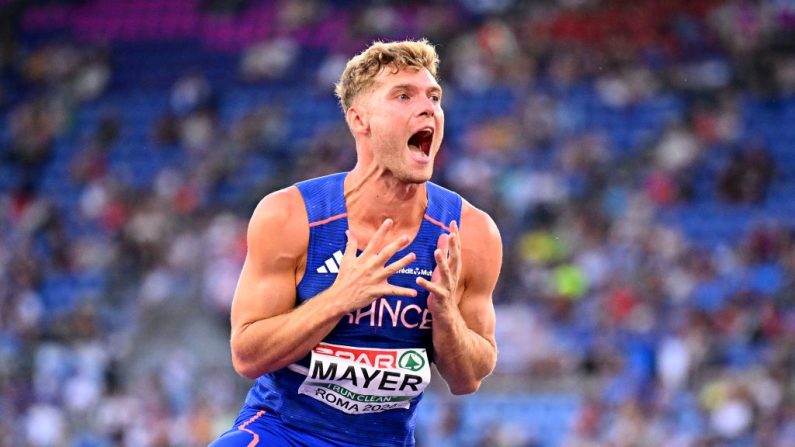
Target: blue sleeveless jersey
{"x":398,"y":326}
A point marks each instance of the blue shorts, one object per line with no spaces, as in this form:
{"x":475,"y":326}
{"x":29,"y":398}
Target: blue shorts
{"x":264,"y":428}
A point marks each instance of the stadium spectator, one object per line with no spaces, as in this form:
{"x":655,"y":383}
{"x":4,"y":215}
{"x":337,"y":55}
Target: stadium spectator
{"x":635,"y":155}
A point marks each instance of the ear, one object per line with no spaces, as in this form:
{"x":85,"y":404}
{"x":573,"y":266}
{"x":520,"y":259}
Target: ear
{"x":357,"y":120}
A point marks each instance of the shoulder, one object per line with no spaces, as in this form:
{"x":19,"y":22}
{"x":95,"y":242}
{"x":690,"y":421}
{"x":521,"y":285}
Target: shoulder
{"x":284,"y":206}
{"x":478,"y":228}
{"x":280,"y":216}
{"x":481,"y":248}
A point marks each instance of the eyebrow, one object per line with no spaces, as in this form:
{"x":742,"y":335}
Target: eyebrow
{"x":412,"y":87}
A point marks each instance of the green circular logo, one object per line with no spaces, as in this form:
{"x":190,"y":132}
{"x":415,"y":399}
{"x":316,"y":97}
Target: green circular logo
{"x":411,"y":360}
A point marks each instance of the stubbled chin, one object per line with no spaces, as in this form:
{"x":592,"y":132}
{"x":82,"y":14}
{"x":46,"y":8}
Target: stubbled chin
{"x":414,"y":178}
{"x":412,"y":173}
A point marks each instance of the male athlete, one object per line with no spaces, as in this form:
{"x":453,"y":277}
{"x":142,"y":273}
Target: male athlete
{"x":356,"y":282}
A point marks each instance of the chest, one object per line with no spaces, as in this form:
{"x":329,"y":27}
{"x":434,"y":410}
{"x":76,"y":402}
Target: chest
{"x":388,"y":313}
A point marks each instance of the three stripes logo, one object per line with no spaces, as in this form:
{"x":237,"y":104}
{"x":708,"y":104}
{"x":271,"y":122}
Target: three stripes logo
{"x":332,"y":264}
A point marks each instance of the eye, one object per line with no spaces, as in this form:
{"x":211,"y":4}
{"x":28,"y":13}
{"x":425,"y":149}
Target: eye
{"x":403,"y":97}
{"x":436,"y":98}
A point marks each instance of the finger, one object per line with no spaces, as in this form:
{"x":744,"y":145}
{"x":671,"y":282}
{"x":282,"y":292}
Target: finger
{"x":375,"y":241}
{"x":432,"y":287}
{"x":396,"y":266}
{"x":390,"y":250}
{"x":351,"y":246}
{"x":389,"y":289}
{"x":444,"y":267}
{"x":443,"y":242}
{"x":455,"y":248}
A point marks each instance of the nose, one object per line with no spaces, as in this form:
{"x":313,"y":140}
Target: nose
{"x":427,"y":107}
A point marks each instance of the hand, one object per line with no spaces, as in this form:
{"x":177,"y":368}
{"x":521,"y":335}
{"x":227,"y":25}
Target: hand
{"x":444,"y":279}
{"x":362,"y":279}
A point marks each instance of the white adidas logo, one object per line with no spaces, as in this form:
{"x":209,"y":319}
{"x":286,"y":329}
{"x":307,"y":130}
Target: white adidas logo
{"x":332,"y":263}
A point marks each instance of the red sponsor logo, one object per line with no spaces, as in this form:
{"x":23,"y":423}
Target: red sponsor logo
{"x":378,"y":358}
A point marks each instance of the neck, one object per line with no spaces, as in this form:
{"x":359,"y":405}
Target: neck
{"x":373,"y":194}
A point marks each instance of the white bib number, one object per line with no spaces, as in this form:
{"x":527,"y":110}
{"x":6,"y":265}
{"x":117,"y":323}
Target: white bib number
{"x":366,"y":380}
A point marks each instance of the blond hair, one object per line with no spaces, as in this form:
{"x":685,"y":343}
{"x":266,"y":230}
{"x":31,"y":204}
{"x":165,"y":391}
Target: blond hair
{"x":361,"y":70}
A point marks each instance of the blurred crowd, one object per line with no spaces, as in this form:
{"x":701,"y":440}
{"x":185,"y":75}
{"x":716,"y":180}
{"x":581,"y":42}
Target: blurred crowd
{"x":114,"y":296}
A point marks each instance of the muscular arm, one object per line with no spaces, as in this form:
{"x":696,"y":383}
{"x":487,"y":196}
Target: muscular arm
{"x":463,"y":328}
{"x":268,"y":331}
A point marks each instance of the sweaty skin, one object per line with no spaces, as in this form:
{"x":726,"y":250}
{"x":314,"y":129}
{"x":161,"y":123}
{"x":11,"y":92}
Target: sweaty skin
{"x":385,"y":196}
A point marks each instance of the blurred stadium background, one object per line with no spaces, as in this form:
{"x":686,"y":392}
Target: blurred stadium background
{"x":639,"y":157}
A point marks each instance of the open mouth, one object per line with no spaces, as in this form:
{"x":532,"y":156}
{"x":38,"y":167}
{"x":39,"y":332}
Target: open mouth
{"x":421,"y":141}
